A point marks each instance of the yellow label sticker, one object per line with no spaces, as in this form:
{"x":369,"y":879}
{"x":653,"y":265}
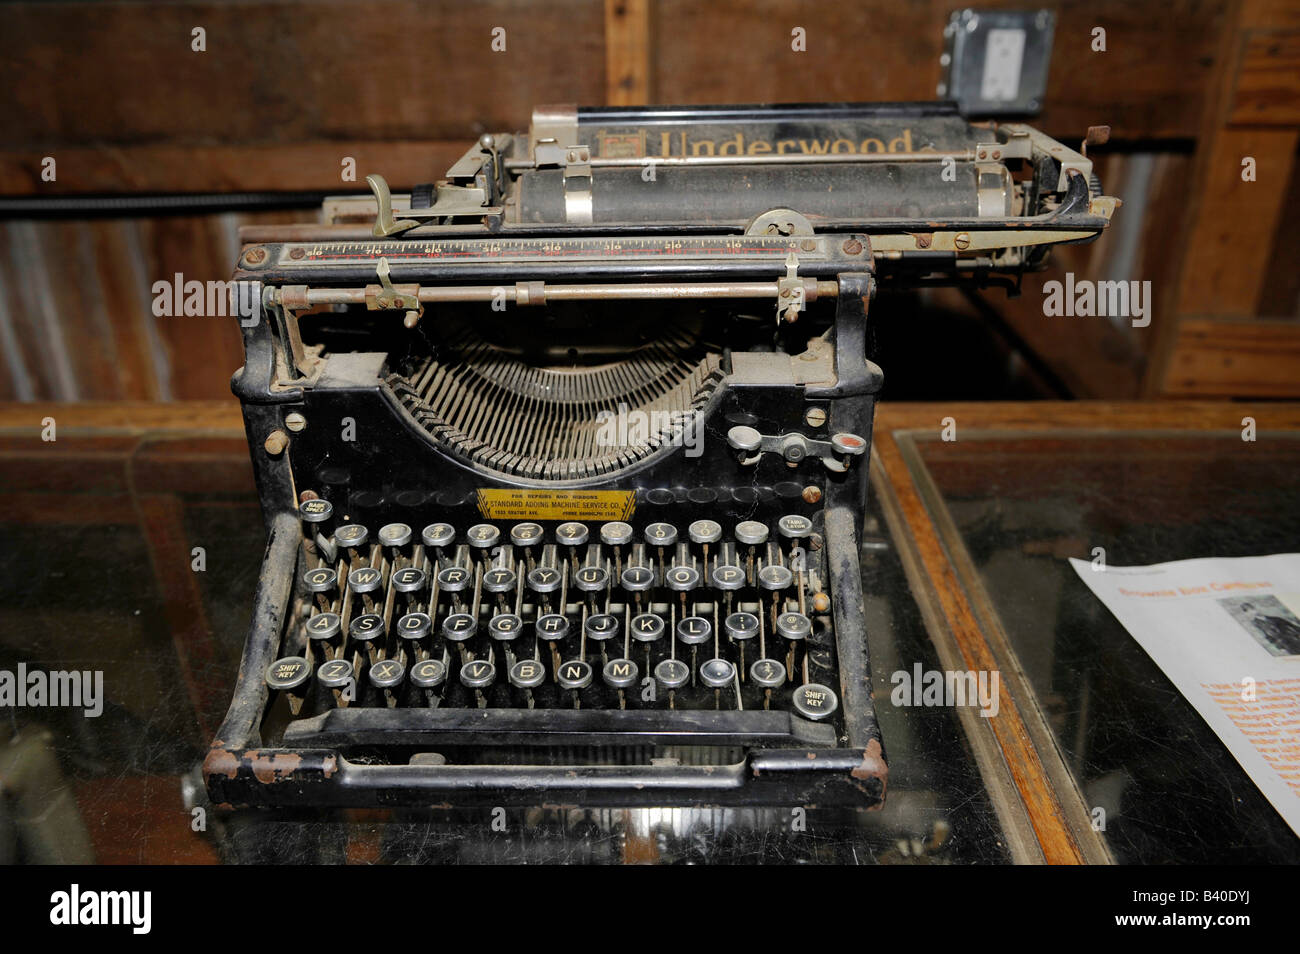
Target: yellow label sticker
{"x":526,"y":504}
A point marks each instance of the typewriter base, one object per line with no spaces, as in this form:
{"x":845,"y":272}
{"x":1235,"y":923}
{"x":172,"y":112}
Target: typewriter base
{"x":807,"y":769}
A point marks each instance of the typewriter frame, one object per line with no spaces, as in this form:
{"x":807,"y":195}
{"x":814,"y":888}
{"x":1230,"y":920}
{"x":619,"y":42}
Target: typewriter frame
{"x":855,"y":253}
{"x":240,"y":771}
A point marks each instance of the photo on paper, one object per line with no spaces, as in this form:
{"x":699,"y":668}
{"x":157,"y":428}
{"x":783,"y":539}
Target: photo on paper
{"x":1269,"y":622}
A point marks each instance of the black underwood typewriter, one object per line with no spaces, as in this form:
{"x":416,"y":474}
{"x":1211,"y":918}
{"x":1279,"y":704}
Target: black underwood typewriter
{"x":563,"y":457}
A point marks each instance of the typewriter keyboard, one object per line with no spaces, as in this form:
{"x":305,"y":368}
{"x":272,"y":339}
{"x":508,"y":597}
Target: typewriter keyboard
{"x":569,"y":615}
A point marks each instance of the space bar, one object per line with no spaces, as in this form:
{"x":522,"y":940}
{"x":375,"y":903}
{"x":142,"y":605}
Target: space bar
{"x":340,"y":727}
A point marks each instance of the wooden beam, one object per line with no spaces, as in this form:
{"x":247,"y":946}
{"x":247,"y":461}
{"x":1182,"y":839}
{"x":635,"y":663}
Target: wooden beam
{"x":1268,"y":79}
{"x":627,"y":52}
{"x":1235,"y":359}
{"x":1226,"y":249}
{"x":1223,"y":246}
{"x":228,"y":167}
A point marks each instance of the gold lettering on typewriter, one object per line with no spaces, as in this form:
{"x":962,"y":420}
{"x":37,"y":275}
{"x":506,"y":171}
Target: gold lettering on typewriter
{"x":524,"y":504}
{"x":632,"y":144}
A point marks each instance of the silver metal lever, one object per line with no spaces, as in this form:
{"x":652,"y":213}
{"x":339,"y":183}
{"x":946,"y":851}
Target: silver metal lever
{"x":836,"y":454}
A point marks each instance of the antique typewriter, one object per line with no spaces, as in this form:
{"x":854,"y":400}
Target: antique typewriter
{"x":563,"y":457}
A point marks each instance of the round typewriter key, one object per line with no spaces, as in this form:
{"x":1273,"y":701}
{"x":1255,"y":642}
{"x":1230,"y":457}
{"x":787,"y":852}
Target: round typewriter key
{"x":454,"y":579}
{"x":637,"y":579}
{"x":324,"y":626}
{"x":620,"y":674}
{"x":335,"y":674}
{"x":600,"y":627}
{"x":814,"y":701}
{"x":288,"y":674}
{"x":526,"y":534}
{"x":352,"y":535}
{"x":851,"y":445}
{"x":616,"y":533}
{"x":741,"y":626}
{"x":504,"y":627}
{"x":672,"y":674}
{"x":459,"y":627}
{"x":775,"y":577}
{"x":527,"y":674}
{"x":694,"y":630}
{"x":574,"y":674}
{"x":409,"y":579}
{"x":544,"y":579}
{"x":365,"y":579}
{"x":647,"y":627}
{"x":704,"y":531}
{"x":683,"y":578}
{"x":727,"y":577}
{"x":414,"y":626}
{"x":320,"y":580}
{"x":767,"y":673}
{"x":717,"y":673}
{"x":794,"y":527}
{"x":438,"y":535}
{"x":499,"y":580}
{"x":395,"y":535}
{"x":552,"y":627}
{"x":591,"y":579}
{"x":366,"y":628}
{"x":751,"y":532}
{"x":483,"y":536}
{"x":478,"y":674}
{"x":661,"y":535}
{"x":387,"y":673}
{"x":315,"y":511}
{"x":793,"y":626}
{"x":428,"y":674}
{"x":571,"y":534}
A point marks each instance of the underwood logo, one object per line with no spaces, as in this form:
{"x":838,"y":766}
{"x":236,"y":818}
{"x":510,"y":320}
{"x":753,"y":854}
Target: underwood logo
{"x":624,"y":145}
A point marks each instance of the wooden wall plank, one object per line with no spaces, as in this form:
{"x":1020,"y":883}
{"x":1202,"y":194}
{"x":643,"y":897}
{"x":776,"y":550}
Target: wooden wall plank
{"x":1150,"y":83}
{"x":1235,"y":359}
{"x":202,"y":352}
{"x":1229,"y":241}
{"x":290,"y":71}
{"x":627,"y":52}
{"x":1268,"y":79}
{"x":231,"y":167}
{"x":285,"y":89}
